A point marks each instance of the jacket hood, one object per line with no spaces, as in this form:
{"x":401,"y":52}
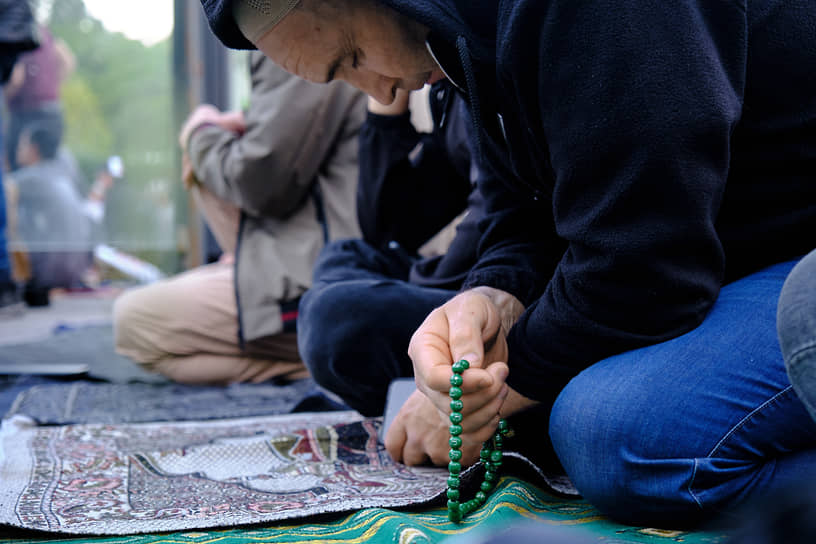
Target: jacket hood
{"x":475,"y":20}
{"x":223,"y":25}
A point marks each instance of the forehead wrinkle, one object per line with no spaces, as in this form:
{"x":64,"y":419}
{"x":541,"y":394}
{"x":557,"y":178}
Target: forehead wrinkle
{"x":298,"y":61}
{"x":343,"y":51}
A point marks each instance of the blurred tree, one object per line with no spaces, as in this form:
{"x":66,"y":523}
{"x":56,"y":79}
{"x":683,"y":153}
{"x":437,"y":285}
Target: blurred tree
{"x":119,"y":101}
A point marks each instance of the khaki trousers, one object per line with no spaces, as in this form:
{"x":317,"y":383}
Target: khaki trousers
{"x":186,"y":327}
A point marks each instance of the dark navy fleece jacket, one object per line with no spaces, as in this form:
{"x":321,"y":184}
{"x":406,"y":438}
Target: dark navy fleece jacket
{"x":653,"y":152}
{"x":649,"y":153}
{"x":412,"y":184}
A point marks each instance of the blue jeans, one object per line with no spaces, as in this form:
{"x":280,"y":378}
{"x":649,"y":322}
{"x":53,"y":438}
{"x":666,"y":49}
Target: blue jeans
{"x":677,"y":432}
{"x":356,"y":321}
{"x":796,"y":325}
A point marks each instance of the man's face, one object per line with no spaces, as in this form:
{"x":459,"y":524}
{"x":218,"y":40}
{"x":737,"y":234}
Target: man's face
{"x":374,"y":49}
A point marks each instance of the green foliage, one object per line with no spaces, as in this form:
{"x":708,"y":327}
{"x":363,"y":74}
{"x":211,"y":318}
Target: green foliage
{"x":119,"y":101}
{"x":88,"y":133}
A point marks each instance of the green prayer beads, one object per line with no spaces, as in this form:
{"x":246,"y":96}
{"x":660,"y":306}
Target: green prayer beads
{"x":490,"y":455}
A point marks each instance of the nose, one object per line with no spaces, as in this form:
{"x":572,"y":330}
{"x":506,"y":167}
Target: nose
{"x":382,"y":88}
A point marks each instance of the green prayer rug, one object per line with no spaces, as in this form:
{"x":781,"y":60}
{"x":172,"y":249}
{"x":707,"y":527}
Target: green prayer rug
{"x":514,"y":501}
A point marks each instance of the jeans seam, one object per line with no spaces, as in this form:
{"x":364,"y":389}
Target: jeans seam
{"x":800,"y":351}
{"x":691,"y":483}
{"x":727,"y":435}
{"x":742,"y":422}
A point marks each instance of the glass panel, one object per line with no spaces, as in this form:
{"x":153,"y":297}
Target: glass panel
{"x":90,"y":170}
{"x":91,"y":150}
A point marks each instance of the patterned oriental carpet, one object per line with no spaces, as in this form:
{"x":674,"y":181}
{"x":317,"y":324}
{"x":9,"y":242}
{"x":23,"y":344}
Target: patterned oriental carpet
{"x":310,"y":477}
{"x":136,"y":478}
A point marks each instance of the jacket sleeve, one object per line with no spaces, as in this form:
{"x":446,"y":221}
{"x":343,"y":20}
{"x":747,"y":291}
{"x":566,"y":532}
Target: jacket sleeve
{"x":291,"y":127}
{"x":408,"y":188}
{"x":635,"y":105}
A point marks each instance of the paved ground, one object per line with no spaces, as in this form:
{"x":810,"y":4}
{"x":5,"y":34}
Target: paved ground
{"x":66,"y":310}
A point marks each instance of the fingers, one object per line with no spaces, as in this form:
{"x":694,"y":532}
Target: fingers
{"x":412,"y":431}
{"x":472,"y":442}
{"x":429,"y":352}
{"x":413,"y":452}
{"x":474,"y":327}
{"x":459,"y":329}
{"x":485,"y":415}
{"x":233,"y":121}
{"x":462,"y":328}
{"x":473,"y":380}
{"x":395,"y":439}
{"x":479,"y":388}
{"x":491,"y":395}
{"x":456,"y":330}
{"x":420,"y":433}
{"x":204,"y":113}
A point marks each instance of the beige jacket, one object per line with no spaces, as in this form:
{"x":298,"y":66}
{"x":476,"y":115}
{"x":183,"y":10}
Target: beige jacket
{"x":294,"y":176}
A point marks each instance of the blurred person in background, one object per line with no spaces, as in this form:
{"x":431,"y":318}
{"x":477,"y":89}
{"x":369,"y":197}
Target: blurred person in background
{"x":17,"y":35}
{"x":274,"y":183}
{"x":54,"y":222}
{"x":33,"y":91}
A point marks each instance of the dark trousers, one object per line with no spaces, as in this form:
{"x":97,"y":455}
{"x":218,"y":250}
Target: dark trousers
{"x":354,"y":326}
{"x":355,"y":323}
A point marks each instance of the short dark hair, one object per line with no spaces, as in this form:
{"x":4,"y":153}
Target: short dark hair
{"x":46,"y":135}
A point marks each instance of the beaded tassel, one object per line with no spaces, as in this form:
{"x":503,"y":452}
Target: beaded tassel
{"x":490,"y":456}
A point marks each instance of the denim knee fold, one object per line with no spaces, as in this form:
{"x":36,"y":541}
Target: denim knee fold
{"x":796,"y":326}
{"x":677,"y":432}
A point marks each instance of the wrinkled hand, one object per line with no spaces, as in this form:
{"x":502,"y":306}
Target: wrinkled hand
{"x":233,"y":121}
{"x":420,"y":432}
{"x":205,"y":113}
{"x":473,"y":326}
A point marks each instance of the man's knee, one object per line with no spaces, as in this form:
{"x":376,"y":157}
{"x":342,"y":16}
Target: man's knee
{"x":129,"y":326}
{"x":340,"y":340}
{"x":124,"y":309}
{"x":796,"y":328}
{"x":796,"y":310}
{"x":328,"y":327}
{"x":604,"y":443}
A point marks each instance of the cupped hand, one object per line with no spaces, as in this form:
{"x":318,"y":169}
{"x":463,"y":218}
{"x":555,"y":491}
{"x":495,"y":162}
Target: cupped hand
{"x":233,"y":121}
{"x":420,"y":432}
{"x":204,"y":113}
{"x":470,"y":326}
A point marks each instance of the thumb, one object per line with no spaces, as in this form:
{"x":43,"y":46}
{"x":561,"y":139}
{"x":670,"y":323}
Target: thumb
{"x":474,"y":330}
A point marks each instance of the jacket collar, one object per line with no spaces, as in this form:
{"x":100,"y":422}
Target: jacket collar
{"x":447,"y":58}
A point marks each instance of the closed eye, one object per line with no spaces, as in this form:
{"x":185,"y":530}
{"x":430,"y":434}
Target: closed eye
{"x":336,"y":63}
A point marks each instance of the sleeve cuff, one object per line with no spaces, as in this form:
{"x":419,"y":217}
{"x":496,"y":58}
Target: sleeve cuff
{"x":389,"y":121}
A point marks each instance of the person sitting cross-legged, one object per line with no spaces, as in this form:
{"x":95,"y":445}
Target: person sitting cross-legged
{"x":275,"y":184}
{"x":650,"y":185}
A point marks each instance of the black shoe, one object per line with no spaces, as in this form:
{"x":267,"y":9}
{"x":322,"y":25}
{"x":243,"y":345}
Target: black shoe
{"x":11,"y":304}
{"x":36,"y":296}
